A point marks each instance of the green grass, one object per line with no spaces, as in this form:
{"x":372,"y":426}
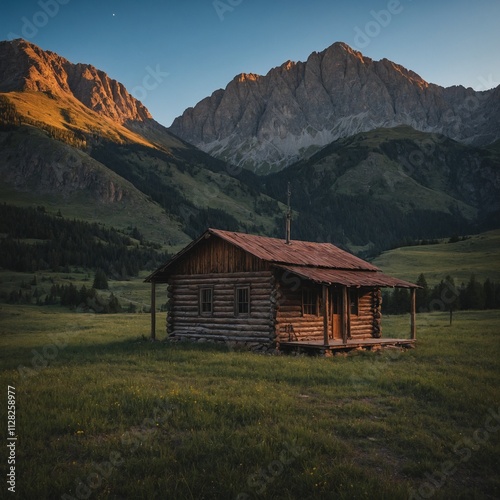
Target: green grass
{"x":479,"y":255}
{"x":101,"y":405}
{"x":132,"y":291}
{"x":40,"y":107}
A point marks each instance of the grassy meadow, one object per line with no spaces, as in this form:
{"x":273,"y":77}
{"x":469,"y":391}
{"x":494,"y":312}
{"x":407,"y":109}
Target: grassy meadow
{"x":102,"y":412}
{"x":479,"y":254}
{"x":133,"y":291}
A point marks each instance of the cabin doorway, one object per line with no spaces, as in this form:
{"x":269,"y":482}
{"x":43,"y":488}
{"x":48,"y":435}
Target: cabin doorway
{"x":337,"y":314}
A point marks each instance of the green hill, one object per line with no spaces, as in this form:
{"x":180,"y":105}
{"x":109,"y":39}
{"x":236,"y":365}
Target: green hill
{"x":479,"y":255}
{"x":74,"y":140}
{"x":172,"y":192}
{"x":377,"y":189}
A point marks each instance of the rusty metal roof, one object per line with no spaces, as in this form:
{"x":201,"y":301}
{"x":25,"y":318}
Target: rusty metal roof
{"x":319,"y":262}
{"x":351,"y":278}
{"x":301,"y":253}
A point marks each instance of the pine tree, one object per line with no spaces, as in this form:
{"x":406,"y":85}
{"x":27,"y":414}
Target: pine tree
{"x":474,"y":294}
{"x":489,"y":294}
{"x":401,"y":301}
{"x":423,"y":294}
{"x":100,"y":280}
{"x":113,"y":305}
{"x":386,"y":302}
{"x":83,"y":295}
{"x":136,"y":234}
{"x":450,"y":294}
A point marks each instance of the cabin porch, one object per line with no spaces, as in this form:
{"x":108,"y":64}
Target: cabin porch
{"x":341,"y":317}
{"x":319,"y":347}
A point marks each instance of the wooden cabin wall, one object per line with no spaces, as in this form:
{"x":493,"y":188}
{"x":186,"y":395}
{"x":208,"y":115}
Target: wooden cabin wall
{"x":184,"y":319}
{"x":377,"y":312}
{"x":367,"y":323}
{"x":291,"y":324}
{"x":215,"y":255}
{"x":362,"y":323}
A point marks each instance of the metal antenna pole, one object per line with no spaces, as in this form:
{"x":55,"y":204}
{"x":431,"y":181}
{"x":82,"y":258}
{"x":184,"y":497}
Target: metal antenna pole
{"x":288,"y":215}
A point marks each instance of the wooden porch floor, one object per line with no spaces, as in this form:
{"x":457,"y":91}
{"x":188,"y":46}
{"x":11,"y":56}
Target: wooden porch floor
{"x":339,"y":345}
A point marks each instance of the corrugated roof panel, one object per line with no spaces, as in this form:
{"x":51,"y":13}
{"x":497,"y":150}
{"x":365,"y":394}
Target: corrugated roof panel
{"x":319,"y":262}
{"x":346,"y":278}
{"x":302,"y":253}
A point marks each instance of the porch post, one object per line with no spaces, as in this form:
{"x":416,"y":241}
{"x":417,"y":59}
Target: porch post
{"x":153,"y":310}
{"x":413,"y":306}
{"x":345,"y":311}
{"x":326,"y":315}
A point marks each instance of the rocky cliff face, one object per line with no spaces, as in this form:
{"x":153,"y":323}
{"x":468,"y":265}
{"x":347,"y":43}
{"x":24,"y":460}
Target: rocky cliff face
{"x":71,"y":134}
{"x":24,"y":66}
{"x":31,"y":161}
{"x":267,"y":122}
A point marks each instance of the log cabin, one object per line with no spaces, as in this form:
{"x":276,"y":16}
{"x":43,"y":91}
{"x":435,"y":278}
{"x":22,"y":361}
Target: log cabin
{"x":268,"y":293}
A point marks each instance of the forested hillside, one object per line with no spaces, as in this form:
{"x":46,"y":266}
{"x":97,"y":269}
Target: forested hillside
{"x":389,"y":187}
{"x":32,"y":240}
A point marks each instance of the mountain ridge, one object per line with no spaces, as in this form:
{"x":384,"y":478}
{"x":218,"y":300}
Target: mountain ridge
{"x":45,"y":71}
{"x":111,"y":110}
{"x":265,"y":123}
{"x":365,"y":192}
{"x":377,"y":189}
{"x":63,"y":134}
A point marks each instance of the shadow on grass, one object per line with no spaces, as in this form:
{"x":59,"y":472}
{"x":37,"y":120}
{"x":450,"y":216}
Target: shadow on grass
{"x":134,"y":350}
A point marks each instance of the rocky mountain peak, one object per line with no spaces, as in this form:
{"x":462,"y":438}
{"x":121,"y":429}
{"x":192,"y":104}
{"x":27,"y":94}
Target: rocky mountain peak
{"x":247,"y":77}
{"x":26,"y":67}
{"x":297,"y":108}
{"x":287,"y":66}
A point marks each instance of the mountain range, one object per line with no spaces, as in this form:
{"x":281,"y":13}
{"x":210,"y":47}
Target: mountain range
{"x":373,"y":153}
{"x":74,"y":137}
{"x":265,"y":123}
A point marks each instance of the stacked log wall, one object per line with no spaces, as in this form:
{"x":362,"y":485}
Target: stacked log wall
{"x":185,"y":321}
{"x":377,"y":313}
{"x":362,"y":323}
{"x":291,"y":324}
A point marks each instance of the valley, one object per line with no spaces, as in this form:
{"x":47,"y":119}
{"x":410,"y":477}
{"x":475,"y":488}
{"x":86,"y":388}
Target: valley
{"x":95,"y":194}
{"x":76,"y":142}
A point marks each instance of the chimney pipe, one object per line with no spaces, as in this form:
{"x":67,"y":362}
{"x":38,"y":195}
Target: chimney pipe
{"x":288,"y":215}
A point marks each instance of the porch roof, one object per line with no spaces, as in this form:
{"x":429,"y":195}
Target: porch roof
{"x":351,"y":278}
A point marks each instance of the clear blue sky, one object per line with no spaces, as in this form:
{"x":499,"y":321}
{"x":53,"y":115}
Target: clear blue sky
{"x":172,"y":54}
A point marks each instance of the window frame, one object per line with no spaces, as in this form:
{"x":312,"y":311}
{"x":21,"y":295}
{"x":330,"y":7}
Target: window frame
{"x":237,"y":302}
{"x":201,"y":302}
{"x":313,"y":303}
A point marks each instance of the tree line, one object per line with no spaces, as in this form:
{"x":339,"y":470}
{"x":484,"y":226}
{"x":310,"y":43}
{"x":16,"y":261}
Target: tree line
{"x":157,"y":185}
{"x":84,"y":298}
{"x":58,"y":244}
{"x":444,"y":296}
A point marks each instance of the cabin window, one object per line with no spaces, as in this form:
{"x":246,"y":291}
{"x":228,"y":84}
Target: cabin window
{"x":242,"y":300}
{"x":354,"y":301}
{"x":309,"y":302}
{"x":206,"y":301}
